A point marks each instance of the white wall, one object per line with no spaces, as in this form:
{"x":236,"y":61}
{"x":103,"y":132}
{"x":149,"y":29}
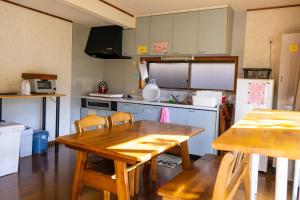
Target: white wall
{"x":265,"y":25}
{"x":86,"y":71}
{"x":238,"y":38}
{"x":37,"y":43}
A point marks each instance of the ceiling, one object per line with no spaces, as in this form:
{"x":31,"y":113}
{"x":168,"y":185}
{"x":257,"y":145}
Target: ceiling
{"x":144,"y":7}
{"x":59,"y":9}
{"x":149,"y":7}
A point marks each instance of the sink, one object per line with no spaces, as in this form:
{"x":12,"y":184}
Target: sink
{"x":179,"y":103}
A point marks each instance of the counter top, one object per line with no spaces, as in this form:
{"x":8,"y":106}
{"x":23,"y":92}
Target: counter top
{"x":157,"y":103}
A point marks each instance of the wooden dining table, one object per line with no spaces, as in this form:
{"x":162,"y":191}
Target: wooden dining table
{"x":125,"y":144}
{"x":270,"y":133}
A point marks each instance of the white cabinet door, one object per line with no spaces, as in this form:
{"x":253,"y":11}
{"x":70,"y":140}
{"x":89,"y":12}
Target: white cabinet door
{"x":161,"y":30}
{"x":128,"y":107}
{"x":89,"y":111}
{"x":128,"y":42}
{"x":142,"y":33}
{"x":185,"y":33}
{"x":178,"y":116}
{"x":213,"y":31}
{"x":147,"y":112}
{"x":201,"y":143}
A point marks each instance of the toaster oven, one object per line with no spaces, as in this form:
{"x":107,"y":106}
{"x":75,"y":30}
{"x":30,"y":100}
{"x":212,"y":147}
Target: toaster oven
{"x":42,"y":86}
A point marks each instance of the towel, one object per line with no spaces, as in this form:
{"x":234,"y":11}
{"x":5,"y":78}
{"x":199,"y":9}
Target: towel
{"x":165,"y":116}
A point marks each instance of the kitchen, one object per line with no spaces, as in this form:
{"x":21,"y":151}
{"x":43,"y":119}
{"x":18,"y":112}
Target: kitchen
{"x":63,"y":44}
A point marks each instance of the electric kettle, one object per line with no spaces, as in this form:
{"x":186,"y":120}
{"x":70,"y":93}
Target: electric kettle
{"x":25,"y":88}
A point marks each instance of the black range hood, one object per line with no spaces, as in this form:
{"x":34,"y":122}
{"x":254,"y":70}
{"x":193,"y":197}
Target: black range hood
{"x":105,"y":42}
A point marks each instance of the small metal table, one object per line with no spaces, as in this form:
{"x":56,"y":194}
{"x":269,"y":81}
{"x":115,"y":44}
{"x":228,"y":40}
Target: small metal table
{"x":44,"y":98}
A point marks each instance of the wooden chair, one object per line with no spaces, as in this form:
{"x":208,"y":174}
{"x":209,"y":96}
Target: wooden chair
{"x":119,"y":118}
{"x":97,"y":163}
{"x":210,"y":178}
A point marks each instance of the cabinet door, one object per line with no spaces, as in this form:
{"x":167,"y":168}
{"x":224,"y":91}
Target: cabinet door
{"x":128,"y":107}
{"x":142,"y":32}
{"x":104,"y":113}
{"x":128,"y":42}
{"x":161,"y":29}
{"x":147,"y":112}
{"x":212,"y":33}
{"x":185,"y":33}
{"x":178,"y":116}
{"x":87,"y":111}
{"x":201,"y":143}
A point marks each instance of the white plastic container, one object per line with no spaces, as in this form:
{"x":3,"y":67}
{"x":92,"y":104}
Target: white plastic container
{"x":26,"y":142}
{"x":205,"y":101}
{"x":10,"y":136}
{"x":151,"y":92}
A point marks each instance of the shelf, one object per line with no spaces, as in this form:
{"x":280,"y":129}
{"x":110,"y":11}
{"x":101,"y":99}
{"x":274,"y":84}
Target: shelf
{"x":15,"y":96}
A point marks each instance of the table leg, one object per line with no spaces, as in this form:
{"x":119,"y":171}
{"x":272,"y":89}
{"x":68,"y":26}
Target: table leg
{"x":281,"y":178}
{"x":184,"y":149}
{"x":254,"y":162}
{"x":296,"y":180}
{"x":122,"y":180}
{"x":1,"y":110}
{"x":78,"y":174}
{"x":57,"y":122}
{"x":44,"y":114}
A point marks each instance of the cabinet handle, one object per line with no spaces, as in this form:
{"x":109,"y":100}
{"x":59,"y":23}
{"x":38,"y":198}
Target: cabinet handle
{"x":192,"y":111}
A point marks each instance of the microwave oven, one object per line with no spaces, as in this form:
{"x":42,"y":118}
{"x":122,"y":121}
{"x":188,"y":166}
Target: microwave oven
{"x":42,"y":86}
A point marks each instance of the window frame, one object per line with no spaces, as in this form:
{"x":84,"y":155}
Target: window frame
{"x":219,"y":59}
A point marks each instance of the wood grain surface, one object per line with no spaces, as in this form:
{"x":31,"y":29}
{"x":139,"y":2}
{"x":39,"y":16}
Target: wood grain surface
{"x":271,"y":133}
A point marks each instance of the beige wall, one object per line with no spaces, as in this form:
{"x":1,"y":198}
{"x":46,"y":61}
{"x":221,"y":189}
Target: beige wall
{"x":123,"y":75}
{"x":265,"y":25}
{"x":238,"y":38}
{"x":86,"y":71}
{"x":37,"y":43}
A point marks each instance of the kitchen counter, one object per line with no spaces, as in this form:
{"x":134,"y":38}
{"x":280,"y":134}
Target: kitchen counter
{"x":158,"y":103}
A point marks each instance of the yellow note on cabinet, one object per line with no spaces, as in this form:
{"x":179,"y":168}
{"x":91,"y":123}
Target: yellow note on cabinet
{"x":142,"y":49}
{"x":293,"y":47}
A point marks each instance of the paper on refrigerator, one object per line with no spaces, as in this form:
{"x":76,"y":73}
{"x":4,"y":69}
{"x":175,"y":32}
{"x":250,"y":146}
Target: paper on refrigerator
{"x":143,"y":70}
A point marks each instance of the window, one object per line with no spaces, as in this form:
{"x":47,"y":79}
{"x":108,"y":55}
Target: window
{"x":203,"y":73}
{"x":170,"y":75}
{"x":213,"y":76}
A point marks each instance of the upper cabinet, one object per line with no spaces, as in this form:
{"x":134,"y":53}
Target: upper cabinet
{"x":213,"y":33}
{"x":142,"y":35}
{"x":128,"y":42}
{"x":185,"y":33}
{"x":161,"y":31}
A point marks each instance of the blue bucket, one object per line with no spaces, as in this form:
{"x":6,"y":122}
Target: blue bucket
{"x":40,"y":142}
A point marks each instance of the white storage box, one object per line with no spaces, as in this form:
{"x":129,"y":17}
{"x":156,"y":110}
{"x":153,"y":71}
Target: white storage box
{"x":10,"y":136}
{"x":205,"y":101}
{"x":207,"y":98}
{"x":26,"y":142}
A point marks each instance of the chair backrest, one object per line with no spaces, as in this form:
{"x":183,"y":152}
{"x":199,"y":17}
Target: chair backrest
{"x":118,"y":118}
{"x":233,"y":169}
{"x":89,"y":122}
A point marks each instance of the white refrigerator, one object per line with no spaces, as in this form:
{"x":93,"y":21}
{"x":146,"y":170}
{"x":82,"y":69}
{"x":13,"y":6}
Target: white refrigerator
{"x":254,"y":94}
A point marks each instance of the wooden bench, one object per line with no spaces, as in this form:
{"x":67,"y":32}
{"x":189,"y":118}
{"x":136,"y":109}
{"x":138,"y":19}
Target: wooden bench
{"x":210,"y":177}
